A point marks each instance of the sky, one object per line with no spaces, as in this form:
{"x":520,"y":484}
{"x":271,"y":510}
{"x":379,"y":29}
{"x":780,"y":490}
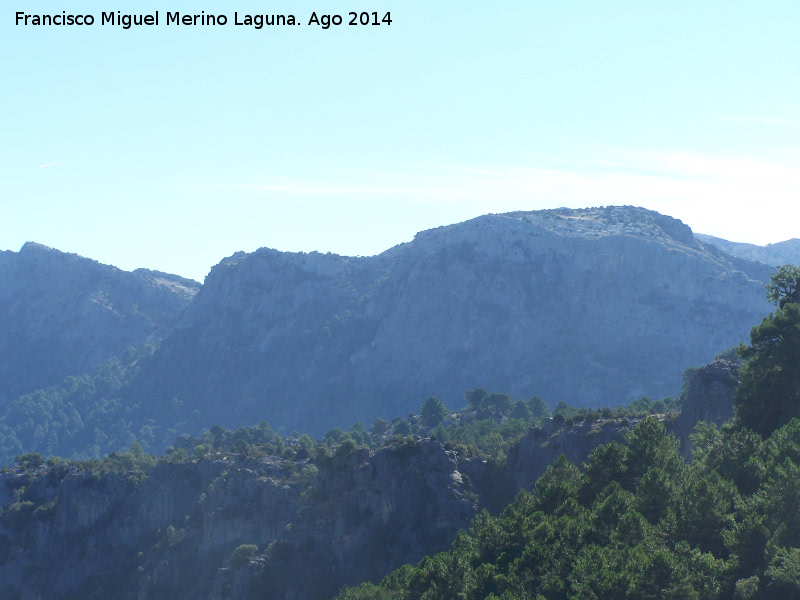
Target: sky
{"x":171,"y":147}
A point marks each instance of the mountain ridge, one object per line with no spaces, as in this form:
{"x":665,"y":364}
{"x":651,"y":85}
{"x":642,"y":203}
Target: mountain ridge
{"x":779,"y":253}
{"x":63,"y":314}
{"x":594,"y":306}
{"x":491,"y":302}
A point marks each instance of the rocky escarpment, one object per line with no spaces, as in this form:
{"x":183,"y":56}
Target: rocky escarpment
{"x":708,"y":397}
{"x":174,"y":531}
{"x":371,"y":512}
{"x":62,"y":314}
{"x":394,"y":506}
{"x":66,"y":533}
{"x":540,"y":448}
{"x":73,"y":534}
{"x":595,"y":307}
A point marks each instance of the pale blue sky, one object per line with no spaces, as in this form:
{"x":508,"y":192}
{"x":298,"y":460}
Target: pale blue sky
{"x":172,"y":147}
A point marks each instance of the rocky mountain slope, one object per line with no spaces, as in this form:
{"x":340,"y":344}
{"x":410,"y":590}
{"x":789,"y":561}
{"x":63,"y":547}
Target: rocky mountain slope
{"x":595,"y":306}
{"x":62,"y":314}
{"x":708,"y":397}
{"x":176,"y":529}
{"x":780,"y":253}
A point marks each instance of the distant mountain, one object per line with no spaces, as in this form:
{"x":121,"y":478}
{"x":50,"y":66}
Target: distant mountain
{"x":595,"y":306}
{"x":774,"y":255}
{"x":62,"y":314}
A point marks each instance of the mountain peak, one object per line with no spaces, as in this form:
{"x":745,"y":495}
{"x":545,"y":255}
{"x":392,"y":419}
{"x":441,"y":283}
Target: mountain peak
{"x":603,"y":221}
{"x":29,"y":247}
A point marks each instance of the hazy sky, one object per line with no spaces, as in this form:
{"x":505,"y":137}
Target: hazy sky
{"x":171,"y":147}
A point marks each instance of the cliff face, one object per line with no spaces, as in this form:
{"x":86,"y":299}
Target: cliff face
{"x":61,"y":314}
{"x":171,"y":533}
{"x":594,"y":307}
{"x":541,"y":447}
{"x":369,"y":514}
{"x":76,"y":534}
{"x":708,"y":397}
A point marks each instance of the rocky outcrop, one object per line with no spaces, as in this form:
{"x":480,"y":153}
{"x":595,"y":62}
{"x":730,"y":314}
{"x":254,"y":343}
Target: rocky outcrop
{"x":67,"y":533}
{"x":371,"y":513}
{"x":595,"y":307}
{"x":708,"y":397}
{"x":540,"y":448}
{"x":62,"y":314}
{"x":172,"y":532}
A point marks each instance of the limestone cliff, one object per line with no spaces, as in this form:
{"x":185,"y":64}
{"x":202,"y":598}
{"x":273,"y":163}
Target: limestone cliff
{"x":79,"y":535}
{"x":369,"y":514}
{"x":708,"y":397}
{"x":529,"y":459}
{"x":171,"y":532}
{"x":67,"y":533}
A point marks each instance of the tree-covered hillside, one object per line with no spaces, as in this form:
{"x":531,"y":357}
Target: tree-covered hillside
{"x":85,"y":417}
{"x":279,"y":514}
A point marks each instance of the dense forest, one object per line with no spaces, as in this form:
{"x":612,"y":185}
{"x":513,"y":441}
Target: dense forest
{"x":86,"y":416}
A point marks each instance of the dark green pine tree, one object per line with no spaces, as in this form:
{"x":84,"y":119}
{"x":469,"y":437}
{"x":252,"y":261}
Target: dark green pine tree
{"x":769,"y":394}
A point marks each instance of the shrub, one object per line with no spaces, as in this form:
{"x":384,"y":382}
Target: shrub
{"x":347,"y":447}
{"x":32,"y":460}
{"x":243,"y":555}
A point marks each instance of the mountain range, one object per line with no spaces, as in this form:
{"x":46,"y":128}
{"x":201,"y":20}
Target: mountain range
{"x":594,"y":306}
{"x":780,"y":253}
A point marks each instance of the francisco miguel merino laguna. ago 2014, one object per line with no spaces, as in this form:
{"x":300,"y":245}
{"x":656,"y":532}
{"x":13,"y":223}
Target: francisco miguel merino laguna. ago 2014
{"x":126,"y":21}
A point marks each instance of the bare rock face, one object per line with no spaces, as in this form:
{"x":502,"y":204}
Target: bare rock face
{"x":62,"y":314}
{"x":121,"y":535}
{"x":541,"y":447}
{"x":708,"y":398}
{"x":172,"y":533}
{"x":597,"y":307}
{"x":371,"y":513}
